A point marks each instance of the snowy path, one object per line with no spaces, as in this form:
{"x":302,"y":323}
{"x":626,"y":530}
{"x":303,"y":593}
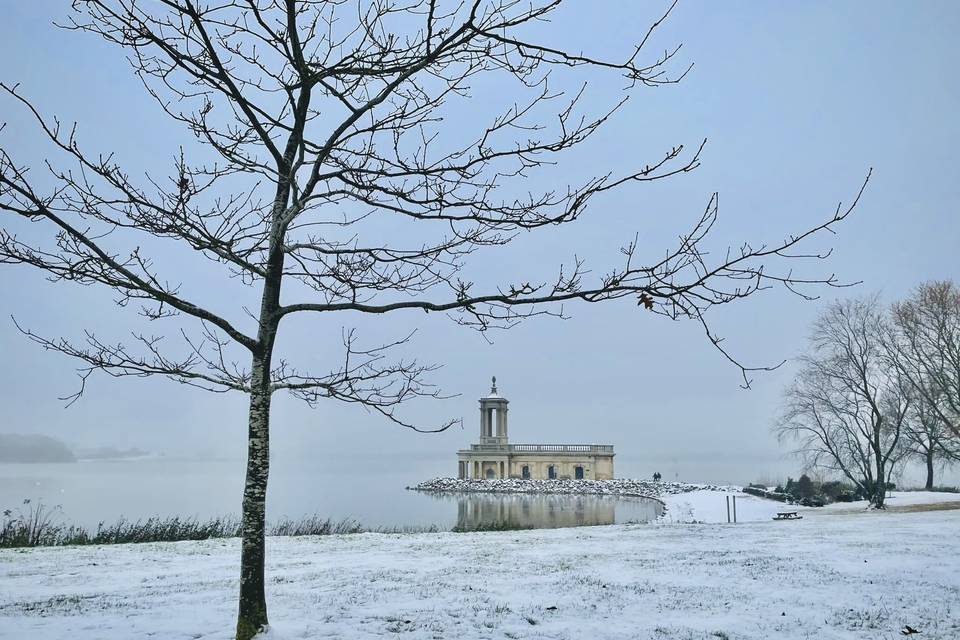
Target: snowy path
{"x":861,"y":575}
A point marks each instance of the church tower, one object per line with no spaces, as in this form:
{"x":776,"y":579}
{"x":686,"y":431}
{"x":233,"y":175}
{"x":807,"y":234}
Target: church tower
{"x":493,"y":411}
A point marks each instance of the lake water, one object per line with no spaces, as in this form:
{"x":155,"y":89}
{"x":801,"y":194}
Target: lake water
{"x":370,"y":490}
{"x":92,"y":491}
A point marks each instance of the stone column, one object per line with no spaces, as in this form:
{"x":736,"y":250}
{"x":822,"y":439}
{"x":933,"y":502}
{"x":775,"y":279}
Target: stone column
{"x":483,"y":421}
{"x":501,"y":470}
{"x":502,"y":422}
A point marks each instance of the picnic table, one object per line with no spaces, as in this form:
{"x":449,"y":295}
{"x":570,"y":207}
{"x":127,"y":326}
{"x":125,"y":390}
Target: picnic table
{"x":788,"y":515}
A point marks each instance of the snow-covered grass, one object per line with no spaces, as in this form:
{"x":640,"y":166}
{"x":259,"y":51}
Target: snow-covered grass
{"x":709,"y":506}
{"x":860,"y":574}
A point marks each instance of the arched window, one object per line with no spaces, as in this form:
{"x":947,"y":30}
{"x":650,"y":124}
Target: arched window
{"x":490,"y":474}
{"x":578,"y":473}
{"x":552,"y":472}
{"x":525,"y":472}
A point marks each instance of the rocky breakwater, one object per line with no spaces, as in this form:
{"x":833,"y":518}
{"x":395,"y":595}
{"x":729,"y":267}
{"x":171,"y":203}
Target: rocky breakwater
{"x":619,"y":487}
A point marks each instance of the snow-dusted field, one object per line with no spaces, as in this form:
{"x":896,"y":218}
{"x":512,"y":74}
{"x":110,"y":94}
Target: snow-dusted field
{"x":842,"y":574}
{"x":704,"y":505}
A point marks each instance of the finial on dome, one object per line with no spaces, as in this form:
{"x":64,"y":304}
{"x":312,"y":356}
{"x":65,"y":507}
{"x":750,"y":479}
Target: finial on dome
{"x":493,"y":388}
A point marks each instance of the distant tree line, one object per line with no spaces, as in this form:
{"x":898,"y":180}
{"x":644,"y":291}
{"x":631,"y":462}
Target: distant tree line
{"x":33,"y":448}
{"x":38,"y":448}
{"x":879,"y":387}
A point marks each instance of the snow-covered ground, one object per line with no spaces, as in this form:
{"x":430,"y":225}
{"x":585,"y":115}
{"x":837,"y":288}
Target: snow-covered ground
{"x":704,"y":505}
{"x":709,"y":506}
{"x":897,"y":499}
{"x":840,"y":574}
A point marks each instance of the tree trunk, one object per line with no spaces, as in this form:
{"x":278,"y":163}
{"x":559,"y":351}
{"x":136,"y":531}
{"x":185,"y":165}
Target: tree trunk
{"x":929,"y":456}
{"x":252,"y":616}
{"x":880,"y":487}
{"x":880,"y":491}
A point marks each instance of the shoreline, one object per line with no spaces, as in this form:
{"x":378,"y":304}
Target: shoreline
{"x":618,"y":487}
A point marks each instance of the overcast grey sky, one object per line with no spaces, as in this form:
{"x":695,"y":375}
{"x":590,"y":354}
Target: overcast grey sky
{"x":798,"y":100}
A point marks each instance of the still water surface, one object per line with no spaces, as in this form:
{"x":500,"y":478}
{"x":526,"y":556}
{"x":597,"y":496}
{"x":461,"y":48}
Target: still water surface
{"x":94,"y":491}
{"x":547,"y":511}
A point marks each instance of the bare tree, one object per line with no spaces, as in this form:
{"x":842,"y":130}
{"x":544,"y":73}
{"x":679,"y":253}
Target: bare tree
{"x":923,"y":344}
{"x":321,"y":128}
{"x":925,"y":348}
{"x":926,"y":437}
{"x":846,"y":408}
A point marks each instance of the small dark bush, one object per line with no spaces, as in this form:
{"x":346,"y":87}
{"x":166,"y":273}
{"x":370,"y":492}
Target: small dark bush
{"x":762,"y":493}
{"x":792,"y":488}
{"x":805,"y":487}
{"x":835,"y":488}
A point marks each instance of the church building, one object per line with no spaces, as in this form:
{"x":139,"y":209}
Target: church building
{"x":494,"y":457}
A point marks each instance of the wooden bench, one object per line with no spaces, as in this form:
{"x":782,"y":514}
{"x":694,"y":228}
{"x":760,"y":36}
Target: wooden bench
{"x":788,"y":515}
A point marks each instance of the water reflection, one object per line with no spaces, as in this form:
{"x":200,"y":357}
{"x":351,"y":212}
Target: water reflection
{"x":546,"y":511}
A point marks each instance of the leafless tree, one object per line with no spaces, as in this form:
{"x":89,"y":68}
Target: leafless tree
{"x":923,"y":344}
{"x":926,"y":437}
{"x":925,"y":348}
{"x":846,"y":408}
{"x":322,"y":124}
